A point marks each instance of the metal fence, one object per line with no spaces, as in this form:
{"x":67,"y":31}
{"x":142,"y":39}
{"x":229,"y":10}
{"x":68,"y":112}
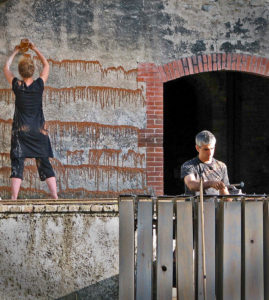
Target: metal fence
{"x":236,"y":248}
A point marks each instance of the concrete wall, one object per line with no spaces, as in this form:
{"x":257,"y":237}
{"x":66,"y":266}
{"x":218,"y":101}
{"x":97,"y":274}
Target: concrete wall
{"x":93,"y":102}
{"x":58,"y":251}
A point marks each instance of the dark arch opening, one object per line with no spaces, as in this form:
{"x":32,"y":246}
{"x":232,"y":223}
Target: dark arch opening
{"x":234,"y":106}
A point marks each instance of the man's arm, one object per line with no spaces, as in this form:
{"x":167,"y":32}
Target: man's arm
{"x":45,"y":71}
{"x":194,"y":185}
{"x":8,"y":74}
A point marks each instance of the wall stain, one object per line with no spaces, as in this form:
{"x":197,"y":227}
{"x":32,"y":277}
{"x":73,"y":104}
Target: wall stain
{"x":104,"y":96}
{"x":98,"y":95}
{"x":72,"y":67}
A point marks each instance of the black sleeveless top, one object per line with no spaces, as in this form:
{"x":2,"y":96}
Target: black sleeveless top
{"x":29,"y":136}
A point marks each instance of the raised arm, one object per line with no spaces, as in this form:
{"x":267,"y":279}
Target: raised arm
{"x":45,"y":71}
{"x":8,"y":74}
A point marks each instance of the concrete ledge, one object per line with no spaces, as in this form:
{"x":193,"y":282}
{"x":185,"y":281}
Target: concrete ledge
{"x":59,"y":206}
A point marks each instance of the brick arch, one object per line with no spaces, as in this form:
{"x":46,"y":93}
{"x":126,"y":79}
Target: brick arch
{"x":154,"y":76}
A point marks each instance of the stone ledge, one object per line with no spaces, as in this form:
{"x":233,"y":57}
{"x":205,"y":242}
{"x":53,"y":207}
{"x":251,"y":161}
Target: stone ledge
{"x":59,"y":208}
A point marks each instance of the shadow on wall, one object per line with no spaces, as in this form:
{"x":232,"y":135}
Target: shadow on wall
{"x":104,"y":289}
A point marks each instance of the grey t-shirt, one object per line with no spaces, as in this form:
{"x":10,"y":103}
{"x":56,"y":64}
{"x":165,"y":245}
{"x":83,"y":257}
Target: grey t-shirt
{"x":217,"y":170}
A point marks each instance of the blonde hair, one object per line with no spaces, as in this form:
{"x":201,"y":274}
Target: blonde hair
{"x":26,"y":67}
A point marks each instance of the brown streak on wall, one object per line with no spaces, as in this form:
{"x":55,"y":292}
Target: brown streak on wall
{"x":76,"y":65}
{"x":105,"y":96}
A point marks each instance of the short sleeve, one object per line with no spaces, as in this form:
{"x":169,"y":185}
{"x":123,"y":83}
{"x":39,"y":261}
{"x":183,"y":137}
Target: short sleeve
{"x":225,"y":175}
{"x":14,"y":83}
{"x":40,"y":83}
{"x":186,"y":169}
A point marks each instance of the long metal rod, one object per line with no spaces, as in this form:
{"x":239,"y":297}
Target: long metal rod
{"x":203,"y":235}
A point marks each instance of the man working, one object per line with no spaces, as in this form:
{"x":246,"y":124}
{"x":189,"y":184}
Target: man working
{"x":213,"y":172}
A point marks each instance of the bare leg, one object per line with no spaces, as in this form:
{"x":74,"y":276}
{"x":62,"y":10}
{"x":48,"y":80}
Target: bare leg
{"x":15,"y":187}
{"x":51,"y":182}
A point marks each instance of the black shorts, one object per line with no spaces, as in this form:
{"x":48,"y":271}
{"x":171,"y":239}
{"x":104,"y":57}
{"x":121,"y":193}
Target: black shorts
{"x":43,"y":164}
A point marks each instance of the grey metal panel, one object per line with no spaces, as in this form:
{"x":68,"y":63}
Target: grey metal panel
{"x":253,"y":251}
{"x":184,"y":251}
{"x":144,"y":250}
{"x":164,"y":249}
{"x":209,"y":221}
{"x":266,"y":251}
{"x":126,"y":248}
{"x":231,"y":251}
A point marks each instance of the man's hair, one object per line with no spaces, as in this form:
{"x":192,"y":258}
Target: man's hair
{"x":205,"y":137}
{"x":26,"y":67}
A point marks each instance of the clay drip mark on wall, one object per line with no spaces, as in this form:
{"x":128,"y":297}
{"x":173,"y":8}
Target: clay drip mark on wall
{"x":113,"y":157}
{"x":7,"y":96}
{"x":5,"y":130}
{"x":74,"y":155}
{"x":4,"y":159}
{"x":137,"y":158}
{"x":103,"y":178}
{"x":89,"y":177}
{"x":92,"y":178}
{"x":90,"y":131}
{"x":72,"y":67}
{"x":109,"y":157}
{"x":104,"y":96}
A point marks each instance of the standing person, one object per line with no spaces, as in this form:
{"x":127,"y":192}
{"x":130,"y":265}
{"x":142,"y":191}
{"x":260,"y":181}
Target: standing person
{"x":29,"y":137}
{"x":214,"y":172}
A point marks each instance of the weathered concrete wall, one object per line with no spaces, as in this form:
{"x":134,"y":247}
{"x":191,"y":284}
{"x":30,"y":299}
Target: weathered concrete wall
{"x":94,"y":105}
{"x":51,"y":251}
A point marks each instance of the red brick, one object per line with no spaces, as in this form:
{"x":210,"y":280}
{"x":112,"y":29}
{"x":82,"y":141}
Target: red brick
{"x":185,"y":66}
{"x":172,"y":71}
{"x":180,"y":68}
{"x":248,"y":63}
{"x":232,"y":64}
{"x":205,"y":62}
{"x":176,"y":69}
{"x":224,"y":61}
{"x":154,"y":164}
{"x":219,"y":61}
{"x":229,"y":61}
{"x":160,"y":169}
{"x":253,"y":64}
{"x":257,"y":69}
{"x":167,"y":72}
{"x":200,"y":63}
{"x":263,"y":66}
{"x":243,"y":63}
{"x":214,"y":62}
{"x":267,"y":69}
{"x":209,"y":62}
{"x":190,"y":66}
{"x":162,"y":73}
{"x":159,"y":112}
{"x":158,"y":121}
{"x":238,"y":62}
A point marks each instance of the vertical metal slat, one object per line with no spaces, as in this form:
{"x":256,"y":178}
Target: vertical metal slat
{"x":266,"y":250}
{"x":231,"y":251}
{"x":144,"y":249}
{"x":209,"y":211}
{"x":184,"y":251}
{"x":126,"y":248}
{"x":253,"y":251}
{"x":164,"y":249}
